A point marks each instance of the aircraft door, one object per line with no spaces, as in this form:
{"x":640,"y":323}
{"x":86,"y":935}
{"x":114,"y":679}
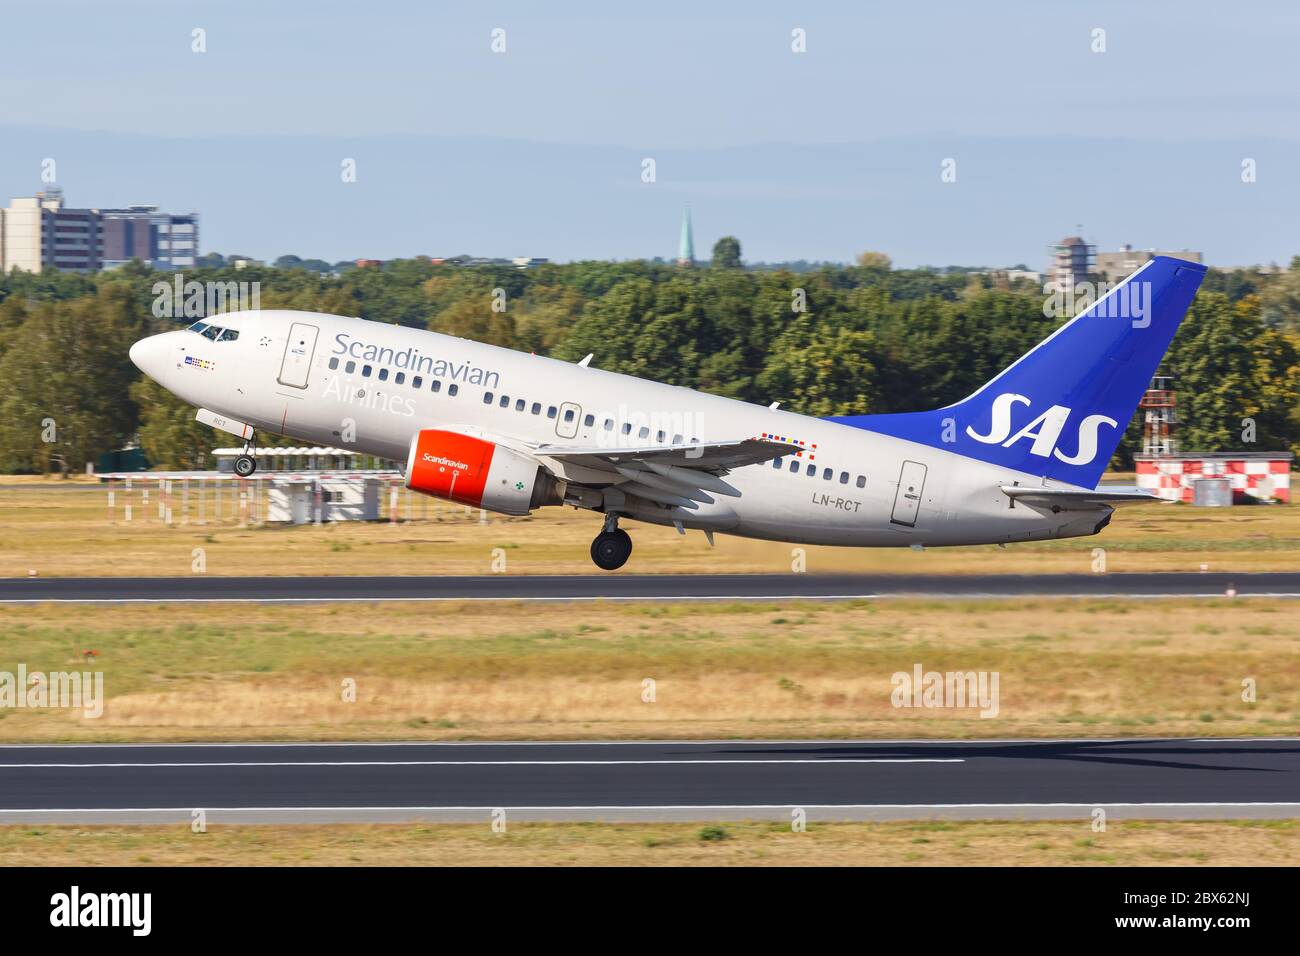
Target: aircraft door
{"x":298,"y":351}
{"x":566,"y":423}
{"x":907,"y":500}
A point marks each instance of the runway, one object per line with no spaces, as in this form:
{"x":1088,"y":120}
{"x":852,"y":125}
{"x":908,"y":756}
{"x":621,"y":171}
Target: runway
{"x":641,"y":587}
{"x":652,"y":780}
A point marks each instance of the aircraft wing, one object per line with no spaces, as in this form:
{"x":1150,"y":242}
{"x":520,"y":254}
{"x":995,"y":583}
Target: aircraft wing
{"x":713,"y":457}
{"x":1076,"y":500}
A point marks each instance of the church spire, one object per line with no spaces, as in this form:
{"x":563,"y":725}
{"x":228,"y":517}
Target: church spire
{"x":686,"y":247}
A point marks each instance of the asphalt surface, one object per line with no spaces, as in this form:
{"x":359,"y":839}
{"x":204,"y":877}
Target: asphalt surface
{"x":721,"y":780}
{"x":646,"y":587}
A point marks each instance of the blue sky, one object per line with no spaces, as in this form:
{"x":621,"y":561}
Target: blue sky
{"x":538,"y":151}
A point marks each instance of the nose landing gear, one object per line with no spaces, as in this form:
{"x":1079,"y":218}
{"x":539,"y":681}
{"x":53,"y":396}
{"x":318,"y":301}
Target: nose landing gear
{"x":246,"y":464}
{"x":612,"y":547}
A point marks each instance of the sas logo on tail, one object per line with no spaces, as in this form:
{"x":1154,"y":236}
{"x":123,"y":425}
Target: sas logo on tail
{"x":1045,"y":430}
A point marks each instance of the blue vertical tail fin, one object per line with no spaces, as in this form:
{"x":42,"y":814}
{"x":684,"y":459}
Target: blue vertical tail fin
{"x":1060,"y":410}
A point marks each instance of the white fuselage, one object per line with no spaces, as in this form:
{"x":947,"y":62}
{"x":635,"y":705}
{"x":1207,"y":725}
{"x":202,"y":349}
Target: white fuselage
{"x":848,"y":487}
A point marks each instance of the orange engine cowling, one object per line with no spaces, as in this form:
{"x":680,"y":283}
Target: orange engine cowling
{"x":474,"y":471}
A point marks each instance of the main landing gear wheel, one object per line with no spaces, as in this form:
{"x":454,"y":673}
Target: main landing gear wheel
{"x":611,"y":549}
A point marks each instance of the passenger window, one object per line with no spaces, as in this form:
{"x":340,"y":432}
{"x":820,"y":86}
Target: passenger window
{"x":435,"y":386}
{"x":844,"y":477}
{"x":812,"y":471}
{"x":609,"y":424}
{"x":660,"y":437}
{"x":487,"y":398}
{"x":519,"y":404}
{"x":383,"y":375}
{"x":643,"y":432}
{"x":505,"y":401}
{"x":399,"y":378}
{"x":828,"y":474}
{"x":350,"y":367}
{"x":452,"y":390}
{"x":365,"y":371}
{"x":416,"y":381}
{"x":334,"y":363}
{"x":589,"y":420}
{"x":568,"y":414}
{"x":627,"y":428}
{"x":537,"y":408}
{"x":794,"y":466}
{"x":862,"y":481}
{"x":551,"y":412}
{"x":776,"y":463}
{"x":677,"y":440}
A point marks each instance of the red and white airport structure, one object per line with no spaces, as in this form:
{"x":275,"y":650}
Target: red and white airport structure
{"x":1261,"y":476}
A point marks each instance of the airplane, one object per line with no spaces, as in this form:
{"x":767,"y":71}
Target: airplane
{"x":509,"y":432}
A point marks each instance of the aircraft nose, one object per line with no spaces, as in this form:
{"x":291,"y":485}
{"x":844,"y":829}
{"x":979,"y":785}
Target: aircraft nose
{"x":150,"y":356}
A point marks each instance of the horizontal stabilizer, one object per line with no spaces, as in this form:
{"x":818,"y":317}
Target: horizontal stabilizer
{"x":1076,"y":499}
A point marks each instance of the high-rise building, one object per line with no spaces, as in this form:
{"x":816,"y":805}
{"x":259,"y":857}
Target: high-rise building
{"x":20,"y":235}
{"x":162,"y":240}
{"x":40,"y":231}
{"x":686,"y":245}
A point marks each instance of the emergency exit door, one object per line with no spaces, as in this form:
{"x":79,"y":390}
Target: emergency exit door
{"x":566,"y":422}
{"x":907,"y":500}
{"x":298,"y":351}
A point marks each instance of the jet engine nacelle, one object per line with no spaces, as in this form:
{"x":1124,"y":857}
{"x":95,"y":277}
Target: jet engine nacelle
{"x":474,"y":471}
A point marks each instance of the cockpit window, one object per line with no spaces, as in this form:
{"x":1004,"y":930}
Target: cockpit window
{"x":214,"y":332}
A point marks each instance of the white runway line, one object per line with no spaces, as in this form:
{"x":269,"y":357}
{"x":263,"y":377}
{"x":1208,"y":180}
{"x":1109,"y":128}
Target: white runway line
{"x":488,"y":808}
{"x":659,"y":742}
{"x":900,"y":595}
{"x":473,"y":763}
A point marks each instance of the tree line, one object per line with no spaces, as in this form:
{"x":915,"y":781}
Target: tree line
{"x":836,"y":339}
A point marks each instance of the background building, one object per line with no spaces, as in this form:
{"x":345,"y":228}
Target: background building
{"x":40,"y":231}
{"x":1072,"y":262}
{"x":1120,"y":265}
{"x":162,"y":240}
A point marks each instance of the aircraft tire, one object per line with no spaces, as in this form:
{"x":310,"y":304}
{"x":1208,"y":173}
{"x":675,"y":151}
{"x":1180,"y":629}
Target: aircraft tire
{"x":611,"y":549}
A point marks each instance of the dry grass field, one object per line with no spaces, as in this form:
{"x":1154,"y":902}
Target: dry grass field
{"x":69,"y":530}
{"x":972,"y":844}
{"x":515,"y":671}
{"x":567,"y":671}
